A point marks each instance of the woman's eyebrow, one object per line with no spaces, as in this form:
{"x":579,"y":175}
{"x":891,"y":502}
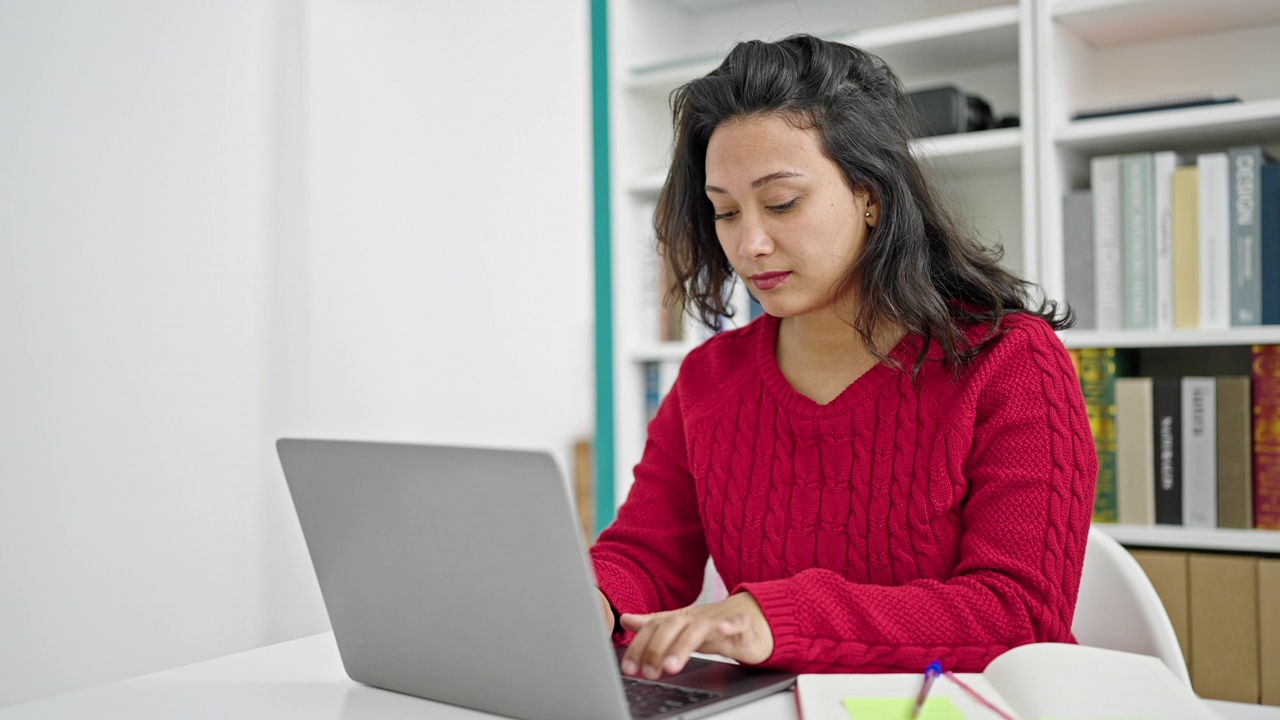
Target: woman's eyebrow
{"x":759,"y":182}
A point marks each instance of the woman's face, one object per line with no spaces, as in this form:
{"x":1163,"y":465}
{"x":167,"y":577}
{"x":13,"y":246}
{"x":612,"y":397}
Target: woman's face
{"x":785,"y":216}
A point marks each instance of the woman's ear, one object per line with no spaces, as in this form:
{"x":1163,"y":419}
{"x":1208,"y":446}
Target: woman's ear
{"x":870,"y":208}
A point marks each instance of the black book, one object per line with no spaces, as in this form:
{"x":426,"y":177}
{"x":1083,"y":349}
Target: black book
{"x":1166,"y":405}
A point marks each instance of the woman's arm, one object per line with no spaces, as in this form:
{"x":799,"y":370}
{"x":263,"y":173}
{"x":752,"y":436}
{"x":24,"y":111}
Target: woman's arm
{"x":653,"y":555}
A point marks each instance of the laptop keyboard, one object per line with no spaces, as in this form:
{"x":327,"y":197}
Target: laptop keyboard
{"x":648,"y":698}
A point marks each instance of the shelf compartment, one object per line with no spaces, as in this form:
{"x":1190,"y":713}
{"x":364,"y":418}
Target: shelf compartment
{"x":929,"y":46}
{"x":1185,"y":538}
{"x":972,"y":152}
{"x":972,"y":38}
{"x":660,"y":351}
{"x":1114,"y":22}
{"x":1250,"y":122}
{"x":1258,"y":335}
{"x":963,"y":152}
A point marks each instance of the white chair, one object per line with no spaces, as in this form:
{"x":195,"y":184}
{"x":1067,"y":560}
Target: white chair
{"x":1118,"y":608}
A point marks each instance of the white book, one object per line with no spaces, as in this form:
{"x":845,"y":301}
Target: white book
{"x":1042,"y":680}
{"x":1215,"y":241}
{"x":1199,"y":452}
{"x":1165,"y":163}
{"x":1108,"y":265}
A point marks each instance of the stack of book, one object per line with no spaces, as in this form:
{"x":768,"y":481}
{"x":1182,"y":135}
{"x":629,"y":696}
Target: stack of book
{"x":1162,"y":241}
{"x":1200,"y":451}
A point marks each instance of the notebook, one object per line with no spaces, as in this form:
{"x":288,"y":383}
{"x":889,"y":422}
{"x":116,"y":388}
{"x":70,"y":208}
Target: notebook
{"x":1029,"y":682}
{"x":459,"y":575}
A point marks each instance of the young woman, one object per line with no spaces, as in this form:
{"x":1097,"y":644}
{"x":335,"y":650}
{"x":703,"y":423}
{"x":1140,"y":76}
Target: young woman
{"x":893,"y":464}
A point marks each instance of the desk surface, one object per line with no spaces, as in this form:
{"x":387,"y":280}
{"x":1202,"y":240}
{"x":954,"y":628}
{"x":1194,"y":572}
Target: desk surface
{"x":304,"y":679}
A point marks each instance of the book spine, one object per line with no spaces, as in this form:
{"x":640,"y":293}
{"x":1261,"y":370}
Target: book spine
{"x":1165,"y":163}
{"x":1235,"y":452}
{"x":1135,"y":467}
{"x":1199,"y":453}
{"x":1269,"y":244}
{"x":1137,"y":241}
{"x":652,"y":395}
{"x":1097,"y":381}
{"x":1108,"y":305}
{"x":1077,"y":238}
{"x":1166,"y":404}
{"x":1266,"y":436}
{"x":1215,"y":242}
{"x":1246,"y":254}
{"x":1186,"y":247}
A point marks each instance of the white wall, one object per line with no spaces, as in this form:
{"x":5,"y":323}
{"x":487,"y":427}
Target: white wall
{"x":226,"y":220}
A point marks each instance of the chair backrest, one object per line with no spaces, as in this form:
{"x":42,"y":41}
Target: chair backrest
{"x":1119,"y":609}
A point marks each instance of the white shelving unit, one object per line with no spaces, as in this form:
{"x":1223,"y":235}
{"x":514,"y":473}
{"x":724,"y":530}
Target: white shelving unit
{"x":1042,"y":60}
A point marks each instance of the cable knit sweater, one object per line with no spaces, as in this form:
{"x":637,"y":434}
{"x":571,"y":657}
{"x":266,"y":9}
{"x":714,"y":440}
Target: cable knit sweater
{"x":896,"y":524}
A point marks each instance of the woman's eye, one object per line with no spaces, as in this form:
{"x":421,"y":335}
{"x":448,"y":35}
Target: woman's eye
{"x":784,"y":206}
{"x":717,"y":217}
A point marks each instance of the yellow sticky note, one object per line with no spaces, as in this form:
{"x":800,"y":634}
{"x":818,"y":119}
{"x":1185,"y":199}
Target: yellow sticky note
{"x":935,"y":708}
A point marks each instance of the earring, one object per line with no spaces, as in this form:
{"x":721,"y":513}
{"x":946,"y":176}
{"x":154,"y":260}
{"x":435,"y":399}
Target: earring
{"x":868,"y":213}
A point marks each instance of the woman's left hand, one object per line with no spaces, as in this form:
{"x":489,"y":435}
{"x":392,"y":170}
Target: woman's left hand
{"x":734,"y":627}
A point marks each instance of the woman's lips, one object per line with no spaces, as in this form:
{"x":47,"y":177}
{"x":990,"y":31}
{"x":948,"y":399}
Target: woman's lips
{"x":769,"y":280}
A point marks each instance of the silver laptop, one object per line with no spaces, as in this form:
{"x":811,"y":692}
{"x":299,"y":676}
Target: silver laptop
{"x":459,"y":575}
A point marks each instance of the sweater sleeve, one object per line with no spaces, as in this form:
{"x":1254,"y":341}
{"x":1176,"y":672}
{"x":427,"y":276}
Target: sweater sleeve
{"x":652,"y":557}
{"x":1028,"y":470}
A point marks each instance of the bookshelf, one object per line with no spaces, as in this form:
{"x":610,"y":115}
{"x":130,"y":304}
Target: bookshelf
{"x":1042,"y":60}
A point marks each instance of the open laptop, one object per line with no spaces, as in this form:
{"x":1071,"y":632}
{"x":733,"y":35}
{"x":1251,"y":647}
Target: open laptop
{"x":459,"y":575}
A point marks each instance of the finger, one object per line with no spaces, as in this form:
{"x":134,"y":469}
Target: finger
{"x":694,"y":636}
{"x":634,"y":622}
{"x":642,"y":626}
{"x":657,"y":647}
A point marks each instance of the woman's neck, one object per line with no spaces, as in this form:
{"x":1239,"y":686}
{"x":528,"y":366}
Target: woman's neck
{"x":821,"y":354}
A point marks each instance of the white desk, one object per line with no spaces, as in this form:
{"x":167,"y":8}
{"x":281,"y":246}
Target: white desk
{"x":304,"y":679}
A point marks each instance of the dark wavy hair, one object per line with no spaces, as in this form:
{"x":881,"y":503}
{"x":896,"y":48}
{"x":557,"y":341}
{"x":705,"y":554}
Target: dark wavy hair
{"x":919,"y":270}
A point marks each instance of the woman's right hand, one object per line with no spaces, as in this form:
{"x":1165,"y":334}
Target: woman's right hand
{"x":607,"y":611}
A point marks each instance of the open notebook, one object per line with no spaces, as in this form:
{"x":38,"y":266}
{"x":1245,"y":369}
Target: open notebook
{"x":1044,"y":681}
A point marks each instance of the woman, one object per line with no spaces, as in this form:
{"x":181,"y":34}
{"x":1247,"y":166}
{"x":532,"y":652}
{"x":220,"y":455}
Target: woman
{"x":893,"y":464}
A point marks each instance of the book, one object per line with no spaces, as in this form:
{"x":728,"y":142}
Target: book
{"x":1186,"y":247}
{"x":1077,"y":243}
{"x":1040,"y":680}
{"x":1266,"y":436}
{"x":1099,"y":368}
{"x":1235,"y":452}
{"x":1246,"y":252}
{"x":1108,"y":291}
{"x":1165,"y":163}
{"x":1215,"y":241}
{"x":1135,"y":463}
{"x":652,"y":393}
{"x":1172,"y":102}
{"x":1166,"y":406}
{"x":1138,"y":240}
{"x":1269,"y":244}
{"x":1199,"y":452}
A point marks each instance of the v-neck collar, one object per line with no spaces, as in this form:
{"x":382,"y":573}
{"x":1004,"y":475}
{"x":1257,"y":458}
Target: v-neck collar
{"x":851,"y":397}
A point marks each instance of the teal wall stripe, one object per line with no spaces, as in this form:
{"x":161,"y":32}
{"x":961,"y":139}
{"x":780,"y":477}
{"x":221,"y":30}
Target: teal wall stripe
{"x":603,"y":263}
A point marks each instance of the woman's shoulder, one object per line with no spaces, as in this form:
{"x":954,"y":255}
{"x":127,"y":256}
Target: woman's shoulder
{"x":729,"y":350}
{"x":1023,"y":345}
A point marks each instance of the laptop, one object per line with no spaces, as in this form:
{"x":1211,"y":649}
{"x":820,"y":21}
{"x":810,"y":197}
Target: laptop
{"x":459,"y":575}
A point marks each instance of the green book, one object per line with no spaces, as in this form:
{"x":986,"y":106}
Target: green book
{"x":1099,"y":368}
{"x":1138,"y":239}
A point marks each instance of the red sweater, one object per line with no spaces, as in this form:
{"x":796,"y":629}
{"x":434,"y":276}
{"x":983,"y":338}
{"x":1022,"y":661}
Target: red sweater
{"x":897,"y":524}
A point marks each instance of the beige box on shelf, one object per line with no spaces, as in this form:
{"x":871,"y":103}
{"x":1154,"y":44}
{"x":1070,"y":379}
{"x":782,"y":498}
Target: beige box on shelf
{"x":1269,"y":629}
{"x":1169,"y":573}
{"x":1224,"y":627}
